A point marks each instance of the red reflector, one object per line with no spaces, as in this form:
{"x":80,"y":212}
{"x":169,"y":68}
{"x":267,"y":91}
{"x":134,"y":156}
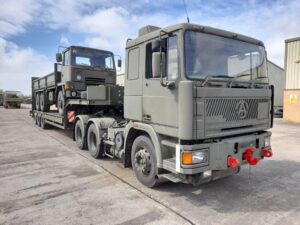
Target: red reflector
{"x":71,"y":116}
{"x":233,"y":162}
{"x":267,"y":153}
{"x":248,"y":155}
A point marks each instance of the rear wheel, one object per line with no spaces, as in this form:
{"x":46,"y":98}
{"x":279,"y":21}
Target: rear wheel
{"x":143,"y":161}
{"x":61,"y":103}
{"x":79,"y":135}
{"x":37,"y":102}
{"x":95,"y":146}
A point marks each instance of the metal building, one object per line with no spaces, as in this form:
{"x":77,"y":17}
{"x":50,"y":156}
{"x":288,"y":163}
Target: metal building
{"x":292,"y":87}
{"x":277,"y":78}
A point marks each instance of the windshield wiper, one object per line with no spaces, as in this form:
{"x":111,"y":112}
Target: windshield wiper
{"x":213,"y":76}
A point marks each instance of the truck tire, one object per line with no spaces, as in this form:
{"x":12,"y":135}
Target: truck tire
{"x":44,"y":125}
{"x":37,"y":102}
{"x":95,"y":146}
{"x":44,"y":103}
{"x":79,"y":135}
{"x":143,"y":161}
{"x":61,"y":103}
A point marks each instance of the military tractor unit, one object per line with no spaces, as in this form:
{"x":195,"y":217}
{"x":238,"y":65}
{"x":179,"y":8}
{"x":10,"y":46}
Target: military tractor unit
{"x":196,"y":103}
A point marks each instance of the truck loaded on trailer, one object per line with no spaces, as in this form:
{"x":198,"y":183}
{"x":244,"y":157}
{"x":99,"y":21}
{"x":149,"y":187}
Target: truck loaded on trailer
{"x":12,"y":99}
{"x":83,"y":82}
{"x":197,"y":106}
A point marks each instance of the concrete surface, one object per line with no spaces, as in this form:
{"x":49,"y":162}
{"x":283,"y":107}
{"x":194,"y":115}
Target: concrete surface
{"x":45,"y":179}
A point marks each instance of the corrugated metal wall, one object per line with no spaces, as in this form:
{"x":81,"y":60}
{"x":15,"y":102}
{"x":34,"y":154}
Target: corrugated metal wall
{"x":292,"y":63}
{"x":277,"y":78}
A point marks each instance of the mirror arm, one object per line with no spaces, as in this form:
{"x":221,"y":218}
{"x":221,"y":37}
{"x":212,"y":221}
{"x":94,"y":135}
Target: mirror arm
{"x":161,"y":64}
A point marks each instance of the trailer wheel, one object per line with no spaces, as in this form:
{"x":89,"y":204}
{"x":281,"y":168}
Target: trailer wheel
{"x":44,"y":105}
{"x":39,"y":121}
{"x":143,"y":161}
{"x":36,"y":119}
{"x":44,"y":125}
{"x":78,"y":134}
{"x":61,"y":103}
{"x":95,"y":146}
{"x":37,"y":102}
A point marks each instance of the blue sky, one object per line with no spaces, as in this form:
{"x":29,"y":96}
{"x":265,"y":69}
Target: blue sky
{"x":32,"y":30}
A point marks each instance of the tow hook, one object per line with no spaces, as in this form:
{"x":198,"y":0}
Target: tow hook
{"x":233,"y":162}
{"x":248,"y":155}
{"x":267,"y":152}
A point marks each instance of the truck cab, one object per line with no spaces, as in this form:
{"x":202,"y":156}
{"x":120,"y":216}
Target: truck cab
{"x":82,"y":67}
{"x":203,"y":93}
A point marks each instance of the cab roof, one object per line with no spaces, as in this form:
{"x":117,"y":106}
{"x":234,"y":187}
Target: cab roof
{"x":155,"y":32}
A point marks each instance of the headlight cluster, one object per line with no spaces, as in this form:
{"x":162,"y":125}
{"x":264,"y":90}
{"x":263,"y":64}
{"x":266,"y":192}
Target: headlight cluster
{"x":78,"y":76}
{"x":194,"y":157}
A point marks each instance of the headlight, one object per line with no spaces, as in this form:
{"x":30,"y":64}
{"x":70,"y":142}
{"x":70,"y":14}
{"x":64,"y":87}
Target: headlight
{"x":189,"y":158}
{"x":267,"y":142}
{"x":73,"y":93}
{"x":78,"y":77}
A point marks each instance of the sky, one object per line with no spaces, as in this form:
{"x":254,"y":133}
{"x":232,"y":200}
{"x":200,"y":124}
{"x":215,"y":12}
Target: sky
{"x":32,"y":30}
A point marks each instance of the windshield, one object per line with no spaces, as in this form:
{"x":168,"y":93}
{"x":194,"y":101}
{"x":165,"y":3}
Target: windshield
{"x":216,"y":56}
{"x":14,"y":95}
{"x":93,"y":58}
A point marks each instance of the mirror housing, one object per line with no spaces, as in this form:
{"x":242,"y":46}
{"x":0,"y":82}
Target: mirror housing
{"x":119,"y":63}
{"x":58,"y":57}
{"x":156,"y":67}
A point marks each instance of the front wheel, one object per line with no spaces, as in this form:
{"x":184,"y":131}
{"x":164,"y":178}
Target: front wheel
{"x":143,"y":161}
{"x":61,"y":103}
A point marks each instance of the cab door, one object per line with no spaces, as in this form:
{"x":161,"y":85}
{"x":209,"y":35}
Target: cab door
{"x":160,"y":104}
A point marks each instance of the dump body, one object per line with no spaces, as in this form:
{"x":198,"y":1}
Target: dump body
{"x":12,"y":99}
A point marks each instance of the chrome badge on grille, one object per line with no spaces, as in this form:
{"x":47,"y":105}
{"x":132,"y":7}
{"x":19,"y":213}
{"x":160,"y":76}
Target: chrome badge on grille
{"x":242,"y":108}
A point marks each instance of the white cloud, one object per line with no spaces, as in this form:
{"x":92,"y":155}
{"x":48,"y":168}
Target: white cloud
{"x":16,"y":15}
{"x":64,"y":40}
{"x":18,"y":65}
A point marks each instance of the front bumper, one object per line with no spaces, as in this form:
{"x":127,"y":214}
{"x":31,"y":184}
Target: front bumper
{"x":219,"y":151}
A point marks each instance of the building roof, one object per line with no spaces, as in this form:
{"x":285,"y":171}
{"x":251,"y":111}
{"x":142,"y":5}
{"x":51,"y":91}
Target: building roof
{"x":279,"y":67}
{"x":292,"y":39}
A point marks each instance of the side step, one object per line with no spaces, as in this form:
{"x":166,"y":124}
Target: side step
{"x":172,"y":177}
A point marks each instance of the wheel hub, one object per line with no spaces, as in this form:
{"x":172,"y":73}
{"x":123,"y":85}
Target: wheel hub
{"x":142,"y":161}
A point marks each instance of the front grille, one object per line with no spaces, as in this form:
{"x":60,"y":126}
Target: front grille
{"x":94,"y":81}
{"x":233,"y":109}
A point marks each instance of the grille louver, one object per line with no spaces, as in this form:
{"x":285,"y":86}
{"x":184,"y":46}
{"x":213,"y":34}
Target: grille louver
{"x":227,"y":108}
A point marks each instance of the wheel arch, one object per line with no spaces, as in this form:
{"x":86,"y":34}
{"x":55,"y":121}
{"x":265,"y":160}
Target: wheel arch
{"x":135,"y":129}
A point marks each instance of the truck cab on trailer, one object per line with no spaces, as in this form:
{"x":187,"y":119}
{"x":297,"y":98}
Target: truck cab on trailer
{"x":77,"y":69}
{"x":197,"y":106}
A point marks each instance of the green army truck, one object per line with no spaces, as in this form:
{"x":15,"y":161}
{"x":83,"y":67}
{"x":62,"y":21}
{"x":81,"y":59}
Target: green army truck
{"x":12,"y":99}
{"x":83,"y":82}
{"x":1,"y":97}
{"x":197,"y":106}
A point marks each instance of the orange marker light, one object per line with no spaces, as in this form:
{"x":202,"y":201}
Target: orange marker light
{"x":187,"y":158}
{"x":67,"y":87}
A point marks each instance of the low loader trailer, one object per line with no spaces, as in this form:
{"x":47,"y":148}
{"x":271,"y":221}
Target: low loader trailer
{"x":195,"y":107}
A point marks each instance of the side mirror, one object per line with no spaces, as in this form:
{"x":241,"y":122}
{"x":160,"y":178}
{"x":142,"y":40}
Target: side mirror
{"x":58,"y":57}
{"x":156,"y":73}
{"x":119,"y":64}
